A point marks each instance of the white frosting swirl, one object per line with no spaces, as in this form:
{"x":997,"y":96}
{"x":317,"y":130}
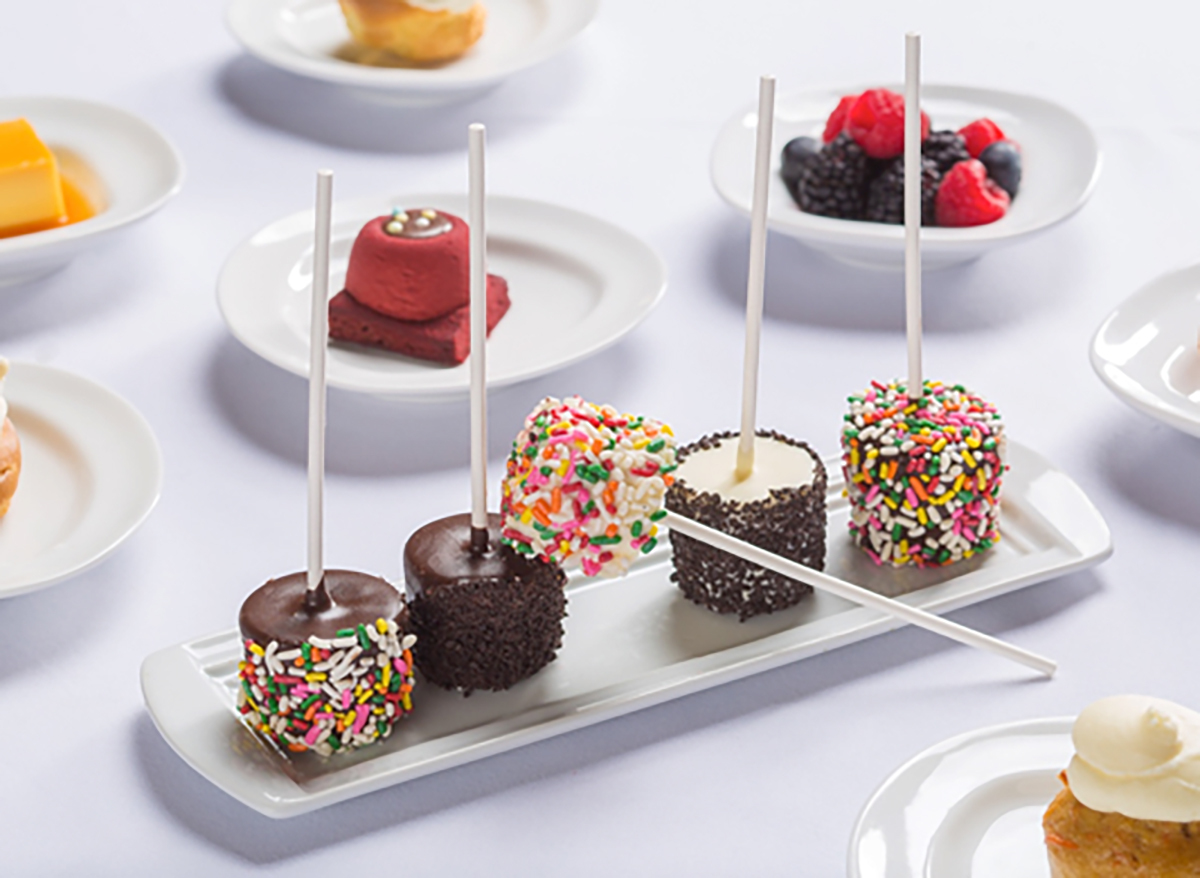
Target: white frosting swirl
{"x":454,"y":6}
{"x":3,"y":401}
{"x":1138,"y":756}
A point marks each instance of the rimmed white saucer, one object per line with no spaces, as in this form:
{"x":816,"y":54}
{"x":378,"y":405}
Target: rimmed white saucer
{"x":1061,"y":165}
{"x":969,"y":807}
{"x":577,"y":284}
{"x":1146,"y":350}
{"x":136,"y":167}
{"x":310,"y":38}
{"x":91,"y":473}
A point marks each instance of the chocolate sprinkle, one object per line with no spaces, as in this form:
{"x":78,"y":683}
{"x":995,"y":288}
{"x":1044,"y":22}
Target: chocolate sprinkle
{"x":483,"y":621}
{"x":790,"y":523}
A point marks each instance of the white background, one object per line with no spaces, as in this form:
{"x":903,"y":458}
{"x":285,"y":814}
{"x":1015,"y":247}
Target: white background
{"x":761,"y":777}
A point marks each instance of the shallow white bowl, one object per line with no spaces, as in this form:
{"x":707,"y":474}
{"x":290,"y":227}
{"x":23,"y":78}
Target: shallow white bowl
{"x":305,"y":37}
{"x":136,"y":165}
{"x":1146,"y":352}
{"x":91,"y":472}
{"x":577,"y":284}
{"x":1061,"y":166}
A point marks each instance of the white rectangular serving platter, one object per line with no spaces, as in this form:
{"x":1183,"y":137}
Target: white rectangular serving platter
{"x":630,"y":643}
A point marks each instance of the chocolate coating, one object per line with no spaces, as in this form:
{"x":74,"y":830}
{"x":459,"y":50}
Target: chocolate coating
{"x":278,"y":610}
{"x":483,"y":620}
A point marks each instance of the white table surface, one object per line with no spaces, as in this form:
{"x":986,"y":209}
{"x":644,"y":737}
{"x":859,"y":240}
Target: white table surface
{"x":761,"y":777}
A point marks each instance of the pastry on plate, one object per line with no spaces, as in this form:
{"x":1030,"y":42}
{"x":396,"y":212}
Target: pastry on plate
{"x":10,"y":449}
{"x":1130,"y":804}
{"x":424,"y":31}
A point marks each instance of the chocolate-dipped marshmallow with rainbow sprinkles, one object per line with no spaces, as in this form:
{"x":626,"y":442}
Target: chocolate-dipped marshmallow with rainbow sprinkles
{"x":587,"y":482}
{"x":326,"y":662}
{"x":923,"y":476}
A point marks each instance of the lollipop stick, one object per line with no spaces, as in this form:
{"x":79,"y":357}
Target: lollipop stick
{"x":757,"y":275}
{"x":912,"y":211}
{"x":476,"y":140}
{"x":318,"y":340}
{"x":864,"y":597}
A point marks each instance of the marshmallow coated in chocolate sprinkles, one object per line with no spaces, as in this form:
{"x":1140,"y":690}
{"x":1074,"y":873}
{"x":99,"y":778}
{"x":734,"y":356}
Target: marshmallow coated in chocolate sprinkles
{"x":790,"y":522}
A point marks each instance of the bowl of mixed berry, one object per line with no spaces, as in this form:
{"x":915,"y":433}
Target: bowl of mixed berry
{"x":996,"y":167}
{"x":855,"y":171}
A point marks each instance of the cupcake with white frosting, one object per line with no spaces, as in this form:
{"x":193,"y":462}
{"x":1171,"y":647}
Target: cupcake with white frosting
{"x":1131,"y":799}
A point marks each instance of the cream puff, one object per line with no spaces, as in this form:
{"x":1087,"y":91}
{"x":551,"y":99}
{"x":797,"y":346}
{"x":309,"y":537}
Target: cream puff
{"x":425,"y":31}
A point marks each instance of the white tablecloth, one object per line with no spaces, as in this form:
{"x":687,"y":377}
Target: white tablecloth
{"x":761,"y":777}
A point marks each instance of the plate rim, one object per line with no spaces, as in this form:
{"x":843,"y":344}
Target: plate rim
{"x":106,"y":221}
{"x":139,"y":426}
{"x":884,"y":237}
{"x":741,"y":661}
{"x":1149,"y":403}
{"x":433,"y":81}
{"x":353,"y":206}
{"x":1048,"y":724}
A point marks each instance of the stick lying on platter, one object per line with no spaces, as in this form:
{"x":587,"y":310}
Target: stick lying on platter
{"x":864,"y":597}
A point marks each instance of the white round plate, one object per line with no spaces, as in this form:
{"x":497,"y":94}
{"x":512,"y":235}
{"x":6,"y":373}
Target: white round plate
{"x":1146,"y":350}
{"x":970,"y":807}
{"x":577,"y":284}
{"x":91,"y":472}
{"x":1061,"y":165}
{"x":136,"y":166}
{"x":310,"y":38}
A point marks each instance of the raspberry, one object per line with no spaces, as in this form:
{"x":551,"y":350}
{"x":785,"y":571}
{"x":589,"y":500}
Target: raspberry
{"x":876,"y":122}
{"x":968,"y":198}
{"x":837,"y":119}
{"x":979,"y":135}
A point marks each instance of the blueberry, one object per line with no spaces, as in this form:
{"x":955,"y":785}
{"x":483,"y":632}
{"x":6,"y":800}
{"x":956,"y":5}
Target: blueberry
{"x":1003,"y":162}
{"x":796,"y":154}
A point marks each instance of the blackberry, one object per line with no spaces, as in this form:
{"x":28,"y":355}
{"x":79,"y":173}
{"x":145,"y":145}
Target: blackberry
{"x":885,"y":199}
{"x":947,"y":148}
{"x":834,"y":183}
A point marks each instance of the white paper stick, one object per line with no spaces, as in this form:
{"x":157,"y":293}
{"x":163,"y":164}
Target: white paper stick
{"x":476,"y":141}
{"x":912,"y":211}
{"x":757,"y":275}
{"x":318,"y":340}
{"x":849,"y":591}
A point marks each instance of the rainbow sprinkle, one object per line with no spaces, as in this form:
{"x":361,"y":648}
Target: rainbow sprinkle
{"x":587,"y":482}
{"x":328,"y":695}
{"x":923,"y":477}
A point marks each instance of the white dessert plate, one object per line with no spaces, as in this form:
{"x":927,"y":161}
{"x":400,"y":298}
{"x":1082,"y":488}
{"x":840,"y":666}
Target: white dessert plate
{"x":1060,"y":168}
{"x":134,"y":166}
{"x":668,"y":648}
{"x":577,"y":284}
{"x":310,"y":38}
{"x":91,"y":472}
{"x":1146,"y":350}
{"x":970,"y":807}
